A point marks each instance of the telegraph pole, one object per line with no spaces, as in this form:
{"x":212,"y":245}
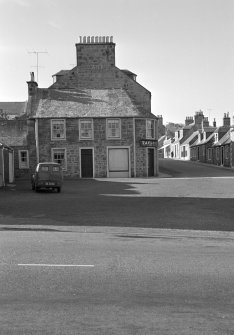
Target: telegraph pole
{"x":37,"y":55}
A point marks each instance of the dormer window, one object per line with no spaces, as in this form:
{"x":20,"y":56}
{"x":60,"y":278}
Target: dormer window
{"x":216,"y":138}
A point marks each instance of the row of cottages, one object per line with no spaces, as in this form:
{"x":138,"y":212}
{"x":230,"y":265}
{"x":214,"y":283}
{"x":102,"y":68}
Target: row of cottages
{"x":179,"y":146}
{"x":198,"y":141}
{"x":95,"y":120}
{"x":217,"y":147}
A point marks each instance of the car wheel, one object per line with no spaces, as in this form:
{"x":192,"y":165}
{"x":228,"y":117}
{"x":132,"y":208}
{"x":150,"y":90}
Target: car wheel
{"x":36,"y":189}
{"x":59,"y":189}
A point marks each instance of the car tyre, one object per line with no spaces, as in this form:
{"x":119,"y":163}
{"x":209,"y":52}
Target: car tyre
{"x":59,"y":189}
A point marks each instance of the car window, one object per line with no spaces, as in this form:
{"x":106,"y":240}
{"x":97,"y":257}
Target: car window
{"x":55,"y":168}
{"x":44,"y":168}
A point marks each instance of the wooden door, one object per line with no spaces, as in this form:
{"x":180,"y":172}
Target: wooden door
{"x":86,"y":163}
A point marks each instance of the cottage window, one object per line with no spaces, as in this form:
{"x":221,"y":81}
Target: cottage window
{"x":113,"y":128}
{"x":150,"y":131}
{"x":23,"y":159}
{"x":86,"y":129}
{"x":58,"y":130}
{"x":60,"y":156}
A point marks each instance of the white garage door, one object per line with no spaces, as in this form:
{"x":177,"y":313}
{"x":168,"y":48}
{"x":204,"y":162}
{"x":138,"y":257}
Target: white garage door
{"x":118,"y":162}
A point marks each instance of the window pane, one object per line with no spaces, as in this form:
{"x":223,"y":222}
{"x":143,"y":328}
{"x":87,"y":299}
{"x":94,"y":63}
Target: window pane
{"x":58,"y":129}
{"x":44,"y":168}
{"x":150,"y":128}
{"x":86,"y":129}
{"x":59,"y":157}
{"x":23,"y":159}
{"x":113,"y":128}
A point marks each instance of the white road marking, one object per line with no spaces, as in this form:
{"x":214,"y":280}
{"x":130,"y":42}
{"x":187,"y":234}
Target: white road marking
{"x":58,"y":265}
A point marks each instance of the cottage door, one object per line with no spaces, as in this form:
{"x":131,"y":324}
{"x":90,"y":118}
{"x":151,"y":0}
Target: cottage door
{"x":222,"y":155}
{"x":150,"y":162}
{"x":86,"y":163}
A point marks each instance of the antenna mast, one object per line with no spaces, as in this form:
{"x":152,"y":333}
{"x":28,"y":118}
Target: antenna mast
{"x":37,"y":55}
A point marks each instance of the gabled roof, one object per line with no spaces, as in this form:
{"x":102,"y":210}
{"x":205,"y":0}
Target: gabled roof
{"x":190,"y":138}
{"x":223,"y":140}
{"x":87,"y":103}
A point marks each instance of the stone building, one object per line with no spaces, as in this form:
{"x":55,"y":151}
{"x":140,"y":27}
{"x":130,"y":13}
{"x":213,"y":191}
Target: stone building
{"x":95,"y":119}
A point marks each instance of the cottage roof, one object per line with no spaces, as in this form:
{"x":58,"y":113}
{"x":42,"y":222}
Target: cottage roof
{"x":87,"y":103}
{"x":12,"y":109}
{"x":224,"y":140}
{"x":190,"y":138}
{"x":2,"y":145}
{"x":61,"y":73}
{"x":189,"y":126}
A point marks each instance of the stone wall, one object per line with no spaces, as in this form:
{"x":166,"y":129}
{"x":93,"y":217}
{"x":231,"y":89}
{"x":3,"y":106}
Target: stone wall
{"x":73,"y":144}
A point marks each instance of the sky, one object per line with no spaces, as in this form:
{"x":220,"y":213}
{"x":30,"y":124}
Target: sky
{"x":181,"y":50}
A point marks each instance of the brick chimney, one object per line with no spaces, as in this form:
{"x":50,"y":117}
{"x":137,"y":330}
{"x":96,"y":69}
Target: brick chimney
{"x":199,"y":119}
{"x":188,"y":120}
{"x":214,"y":123}
{"x":206,"y":122}
{"x":95,"y":52}
{"x":32,"y":85}
{"x":226,"y":120}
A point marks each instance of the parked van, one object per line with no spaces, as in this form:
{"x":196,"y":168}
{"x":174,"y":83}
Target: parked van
{"x":47,"y":176}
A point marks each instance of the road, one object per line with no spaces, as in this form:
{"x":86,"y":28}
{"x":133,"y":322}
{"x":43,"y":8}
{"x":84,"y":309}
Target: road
{"x":97,"y":259}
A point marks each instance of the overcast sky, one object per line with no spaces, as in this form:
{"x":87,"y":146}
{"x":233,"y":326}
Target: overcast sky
{"x":181,"y":50}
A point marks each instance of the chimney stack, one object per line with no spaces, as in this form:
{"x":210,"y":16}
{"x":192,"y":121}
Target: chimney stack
{"x":226,"y":120}
{"x":206,"y":122}
{"x":188,"y":120}
{"x":95,"y":51}
{"x":32,"y":85}
{"x":214,"y":123}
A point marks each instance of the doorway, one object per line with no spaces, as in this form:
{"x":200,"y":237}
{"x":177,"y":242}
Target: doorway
{"x":118,"y":163}
{"x":86,"y":163}
{"x":150,"y":162}
{"x":222,"y":155}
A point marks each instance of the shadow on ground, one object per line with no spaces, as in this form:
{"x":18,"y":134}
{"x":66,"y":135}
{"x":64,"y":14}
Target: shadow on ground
{"x":87,"y":203}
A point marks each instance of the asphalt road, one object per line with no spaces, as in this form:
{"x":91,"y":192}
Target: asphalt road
{"x":116,"y":281}
{"x":126,"y":256}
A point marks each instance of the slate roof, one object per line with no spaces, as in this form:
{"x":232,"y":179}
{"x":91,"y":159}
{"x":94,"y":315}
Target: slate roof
{"x":13,"y":109}
{"x":87,"y":103}
{"x":190,"y":138}
{"x":61,"y":73}
{"x":224,"y":140}
{"x":189,"y":126}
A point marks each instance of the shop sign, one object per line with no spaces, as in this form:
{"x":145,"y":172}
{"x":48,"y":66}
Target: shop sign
{"x":148,"y":143}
